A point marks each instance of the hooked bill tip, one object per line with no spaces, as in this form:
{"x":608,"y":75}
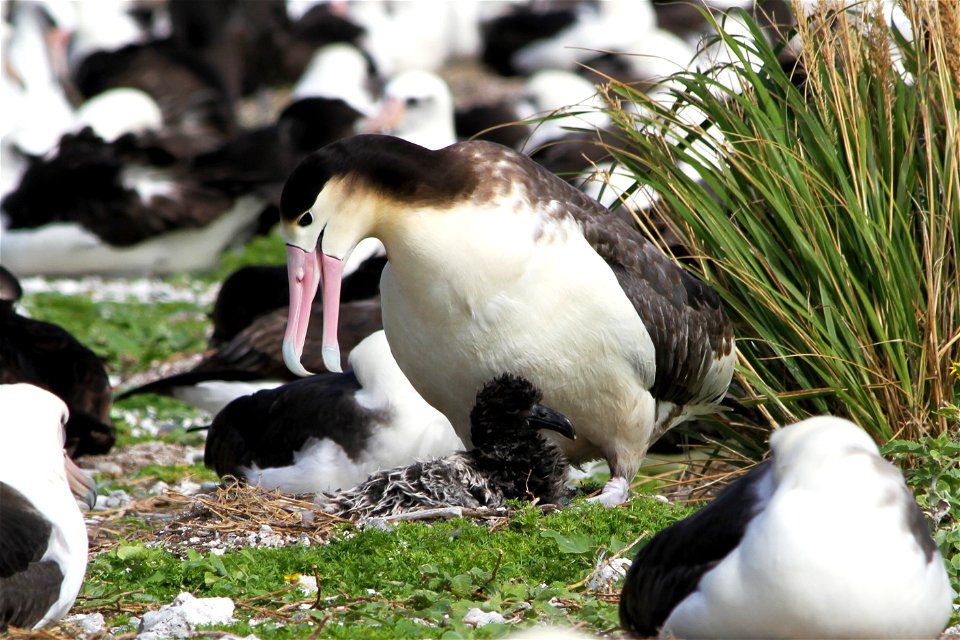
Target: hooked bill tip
{"x":331,"y":358}
{"x":292,"y":359}
{"x":90,"y":499}
{"x":82,"y":485}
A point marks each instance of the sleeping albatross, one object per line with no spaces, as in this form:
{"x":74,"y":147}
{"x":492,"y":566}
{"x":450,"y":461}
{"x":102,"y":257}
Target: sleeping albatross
{"x":496,"y":265}
{"x":329,"y":431}
{"x":824,"y":540}
{"x":43,"y":539}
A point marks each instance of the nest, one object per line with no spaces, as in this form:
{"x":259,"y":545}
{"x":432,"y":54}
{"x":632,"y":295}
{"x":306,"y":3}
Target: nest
{"x":240,"y":515}
{"x":236,"y":516}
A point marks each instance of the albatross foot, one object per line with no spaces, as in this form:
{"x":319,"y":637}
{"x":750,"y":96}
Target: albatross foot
{"x":615,"y":492}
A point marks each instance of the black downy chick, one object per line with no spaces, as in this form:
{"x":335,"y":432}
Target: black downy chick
{"x":510,"y":460}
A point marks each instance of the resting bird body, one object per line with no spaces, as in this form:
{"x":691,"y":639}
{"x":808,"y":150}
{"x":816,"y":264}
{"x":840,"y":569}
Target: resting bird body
{"x":509,"y":460}
{"x":329,"y":431}
{"x":824,"y":540}
{"x":495,"y":265}
{"x":43,"y":538}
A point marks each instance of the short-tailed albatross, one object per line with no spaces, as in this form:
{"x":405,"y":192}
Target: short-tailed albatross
{"x":496,"y":265}
{"x":823,"y":540}
{"x":43,"y":538}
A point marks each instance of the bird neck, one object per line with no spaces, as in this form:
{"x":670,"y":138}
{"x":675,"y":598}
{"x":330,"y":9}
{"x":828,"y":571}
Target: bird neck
{"x":474,"y":250}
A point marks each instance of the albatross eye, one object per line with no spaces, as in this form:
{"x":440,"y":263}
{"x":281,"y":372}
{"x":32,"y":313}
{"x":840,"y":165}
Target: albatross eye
{"x":305,"y":220}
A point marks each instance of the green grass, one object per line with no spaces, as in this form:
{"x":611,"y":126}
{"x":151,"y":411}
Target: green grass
{"x":132,"y":337}
{"x":933,"y":472}
{"x":268,"y":249}
{"x":167,"y":413}
{"x":434,"y":573}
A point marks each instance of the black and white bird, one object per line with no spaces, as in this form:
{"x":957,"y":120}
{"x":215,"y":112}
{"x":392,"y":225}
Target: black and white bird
{"x":564,"y":42}
{"x":43,"y":538}
{"x":509,"y":460}
{"x":259,"y":160}
{"x":823,"y":540}
{"x":416,"y":106}
{"x":47,"y":355}
{"x":495,"y":264}
{"x":331,"y":430}
{"x":120,"y":208}
{"x":341,"y":71}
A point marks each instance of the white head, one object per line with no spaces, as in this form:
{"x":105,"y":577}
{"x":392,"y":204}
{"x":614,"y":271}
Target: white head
{"x":115,"y":112}
{"x":337,"y":71}
{"x":32,"y":435}
{"x":807,"y":448}
{"x":417,"y":106}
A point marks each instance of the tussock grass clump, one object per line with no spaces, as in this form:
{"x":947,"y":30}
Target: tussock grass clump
{"x":817,"y":188}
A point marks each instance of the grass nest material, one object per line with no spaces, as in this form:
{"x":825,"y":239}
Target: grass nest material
{"x":237,"y":515}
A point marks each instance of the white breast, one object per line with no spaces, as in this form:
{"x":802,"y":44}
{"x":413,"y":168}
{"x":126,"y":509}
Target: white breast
{"x":550,"y":310}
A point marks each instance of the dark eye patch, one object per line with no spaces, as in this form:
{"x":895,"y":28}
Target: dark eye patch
{"x":305,"y":220}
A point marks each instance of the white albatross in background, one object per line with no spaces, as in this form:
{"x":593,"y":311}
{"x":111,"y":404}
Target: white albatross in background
{"x":496,"y":265}
{"x":43,"y":538}
{"x":418,"y":107}
{"x":824,"y":540}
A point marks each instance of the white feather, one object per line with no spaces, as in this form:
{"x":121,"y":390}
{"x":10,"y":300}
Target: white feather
{"x":830,"y":555}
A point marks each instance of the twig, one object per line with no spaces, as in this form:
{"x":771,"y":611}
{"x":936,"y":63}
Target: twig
{"x":580,"y":583}
{"x":493,"y":574}
{"x":427,"y":514}
{"x":263,"y":611}
{"x":282,"y":590}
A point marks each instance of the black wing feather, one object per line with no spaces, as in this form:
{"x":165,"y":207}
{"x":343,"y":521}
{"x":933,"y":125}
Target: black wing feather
{"x":46,"y":355}
{"x":268,"y":427}
{"x":28,"y":587}
{"x":670,"y":566}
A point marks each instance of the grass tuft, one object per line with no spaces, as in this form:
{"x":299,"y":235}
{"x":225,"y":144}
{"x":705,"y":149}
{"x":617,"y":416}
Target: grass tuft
{"x":820,"y":196}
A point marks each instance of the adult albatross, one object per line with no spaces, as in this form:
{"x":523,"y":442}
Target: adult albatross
{"x":43,"y":538}
{"x":496,"y":265}
{"x":823,"y":540}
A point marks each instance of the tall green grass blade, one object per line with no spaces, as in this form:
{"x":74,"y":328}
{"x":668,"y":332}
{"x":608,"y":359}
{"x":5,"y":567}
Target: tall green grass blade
{"x":824,"y":208}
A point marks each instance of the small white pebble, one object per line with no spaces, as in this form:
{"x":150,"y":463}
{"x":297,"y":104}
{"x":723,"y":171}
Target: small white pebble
{"x":308,"y":584}
{"x":158,"y":487}
{"x":88,"y":623}
{"x":477,"y":618}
